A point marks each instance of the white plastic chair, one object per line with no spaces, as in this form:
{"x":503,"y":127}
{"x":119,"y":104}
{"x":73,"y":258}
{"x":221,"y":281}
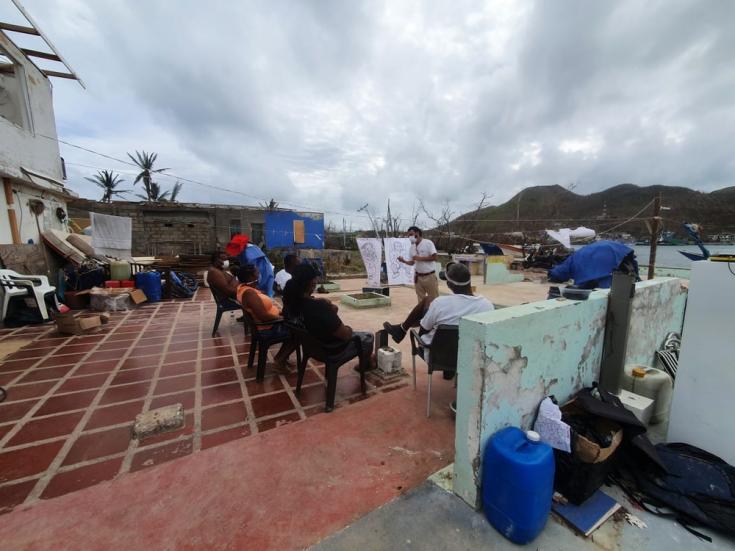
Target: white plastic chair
{"x":39,"y":285}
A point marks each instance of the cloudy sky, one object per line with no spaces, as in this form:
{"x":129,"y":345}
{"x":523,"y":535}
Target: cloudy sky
{"x":334,"y":104}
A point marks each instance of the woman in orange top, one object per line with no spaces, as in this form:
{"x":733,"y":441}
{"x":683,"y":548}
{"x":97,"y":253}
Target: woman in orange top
{"x":262,"y":309}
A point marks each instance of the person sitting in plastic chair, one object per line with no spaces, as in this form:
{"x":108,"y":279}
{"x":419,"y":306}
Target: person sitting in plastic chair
{"x":429,"y":314}
{"x":262,"y":309}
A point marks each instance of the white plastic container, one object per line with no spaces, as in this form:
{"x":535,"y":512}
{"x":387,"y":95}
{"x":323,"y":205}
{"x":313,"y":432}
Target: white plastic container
{"x":652,"y":383}
{"x":389,"y":359}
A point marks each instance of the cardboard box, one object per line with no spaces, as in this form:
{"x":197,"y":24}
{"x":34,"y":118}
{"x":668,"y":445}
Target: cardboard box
{"x":75,"y":324}
{"x":77,"y":300}
{"x":138,"y":296}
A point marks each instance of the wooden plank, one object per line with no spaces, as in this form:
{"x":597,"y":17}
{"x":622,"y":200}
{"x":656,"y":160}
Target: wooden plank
{"x":58,"y":74}
{"x":299,"y":233}
{"x":14,"y":231}
{"x":18,"y":29}
{"x":44,"y":55}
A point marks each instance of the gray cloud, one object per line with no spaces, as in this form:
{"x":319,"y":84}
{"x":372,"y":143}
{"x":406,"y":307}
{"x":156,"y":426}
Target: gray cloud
{"x":335,"y":104}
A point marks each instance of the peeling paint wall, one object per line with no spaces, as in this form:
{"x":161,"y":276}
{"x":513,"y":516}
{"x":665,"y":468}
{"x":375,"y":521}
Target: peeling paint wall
{"x":510,"y":359}
{"x":658,"y":309}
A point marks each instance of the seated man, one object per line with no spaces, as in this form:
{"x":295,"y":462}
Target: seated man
{"x":262,"y":309}
{"x":319,"y":315}
{"x":219,"y":277}
{"x":444,"y":310}
{"x":290,"y":261}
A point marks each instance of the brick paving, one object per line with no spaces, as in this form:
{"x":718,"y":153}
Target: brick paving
{"x":66,"y":423}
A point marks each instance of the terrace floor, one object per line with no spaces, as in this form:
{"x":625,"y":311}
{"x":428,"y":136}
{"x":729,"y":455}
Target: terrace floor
{"x":71,"y":402}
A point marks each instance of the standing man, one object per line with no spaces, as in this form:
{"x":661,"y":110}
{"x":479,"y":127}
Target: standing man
{"x":423,"y":259}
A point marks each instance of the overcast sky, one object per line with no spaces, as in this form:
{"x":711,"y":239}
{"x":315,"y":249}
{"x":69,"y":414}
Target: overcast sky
{"x":334,"y":104}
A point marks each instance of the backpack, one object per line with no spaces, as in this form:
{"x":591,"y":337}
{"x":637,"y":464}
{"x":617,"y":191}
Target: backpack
{"x":183,"y":285}
{"x":697,"y":486}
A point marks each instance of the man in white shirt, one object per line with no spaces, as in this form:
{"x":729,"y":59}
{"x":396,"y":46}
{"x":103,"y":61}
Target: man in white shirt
{"x":446,"y":310}
{"x":423,"y":259}
{"x":290,"y":261}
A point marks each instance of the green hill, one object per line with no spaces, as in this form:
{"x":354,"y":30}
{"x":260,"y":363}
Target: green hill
{"x":537,"y":208}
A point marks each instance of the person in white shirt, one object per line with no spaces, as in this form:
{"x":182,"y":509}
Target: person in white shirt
{"x":446,"y":310}
{"x":290,"y":261}
{"x":423,"y":259}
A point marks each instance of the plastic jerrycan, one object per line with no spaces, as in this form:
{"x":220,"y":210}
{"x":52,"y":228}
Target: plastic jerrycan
{"x":517,"y":483}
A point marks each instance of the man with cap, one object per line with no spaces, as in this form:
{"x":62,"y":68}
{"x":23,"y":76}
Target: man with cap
{"x":445,"y":310}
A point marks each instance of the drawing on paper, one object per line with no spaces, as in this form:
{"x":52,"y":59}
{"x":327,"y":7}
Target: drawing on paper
{"x":371,"y":250}
{"x":398,"y":272}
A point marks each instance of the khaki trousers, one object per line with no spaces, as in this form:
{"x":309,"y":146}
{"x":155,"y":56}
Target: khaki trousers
{"x":426,"y":286}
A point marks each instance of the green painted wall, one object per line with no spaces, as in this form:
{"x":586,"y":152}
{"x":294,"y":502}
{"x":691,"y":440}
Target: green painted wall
{"x":510,"y":359}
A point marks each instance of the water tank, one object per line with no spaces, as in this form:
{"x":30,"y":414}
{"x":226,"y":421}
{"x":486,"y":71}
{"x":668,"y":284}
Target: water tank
{"x":150,"y":284}
{"x":652,"y":383}
{"x":517,"y":483}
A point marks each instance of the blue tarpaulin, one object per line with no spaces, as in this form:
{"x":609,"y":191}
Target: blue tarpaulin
{"x":279,"y":230}
{"x":593,"y":265}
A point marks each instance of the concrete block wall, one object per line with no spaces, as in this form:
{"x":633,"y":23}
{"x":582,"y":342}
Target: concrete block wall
{"x":175,"y":228}
{"x":510,"y":359}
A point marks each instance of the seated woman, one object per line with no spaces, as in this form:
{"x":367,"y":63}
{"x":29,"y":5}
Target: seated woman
{"x":319,"y":315}
{"x":262,"y":309}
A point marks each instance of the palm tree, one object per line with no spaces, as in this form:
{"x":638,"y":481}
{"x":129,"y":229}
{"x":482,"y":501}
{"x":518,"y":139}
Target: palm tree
{"x":145,"y":162}
{"x":108,"y":181}
{"x":175,"y":192}
{"x":270,"y":206}
{"x":154,"y":194}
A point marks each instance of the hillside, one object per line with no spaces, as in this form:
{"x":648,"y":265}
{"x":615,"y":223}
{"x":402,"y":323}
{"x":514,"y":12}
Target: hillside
{"x":541,"y":207}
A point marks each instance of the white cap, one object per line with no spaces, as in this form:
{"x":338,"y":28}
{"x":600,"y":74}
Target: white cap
{"x":533,"y":436}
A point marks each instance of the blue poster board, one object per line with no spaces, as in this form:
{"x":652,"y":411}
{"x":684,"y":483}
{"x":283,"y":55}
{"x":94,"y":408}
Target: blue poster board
{"x":279,"y":230}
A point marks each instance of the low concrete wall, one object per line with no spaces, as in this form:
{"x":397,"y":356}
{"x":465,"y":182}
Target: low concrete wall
{"x":510,"y":359}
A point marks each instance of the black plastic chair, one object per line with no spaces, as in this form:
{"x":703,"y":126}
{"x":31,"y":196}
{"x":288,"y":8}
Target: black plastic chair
{"x":224,"y":304}
{"x":442,"y":355}
{"x":308,"y":346}
{"x":261,"y":342}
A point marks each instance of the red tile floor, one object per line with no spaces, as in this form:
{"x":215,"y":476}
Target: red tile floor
{"x":66,"y":422}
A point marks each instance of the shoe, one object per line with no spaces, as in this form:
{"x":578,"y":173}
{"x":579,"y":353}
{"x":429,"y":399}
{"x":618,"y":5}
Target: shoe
{"x":395,"y":331}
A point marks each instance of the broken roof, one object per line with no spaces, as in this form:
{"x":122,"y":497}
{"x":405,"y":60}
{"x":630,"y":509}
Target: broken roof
{"x":58,"y":67}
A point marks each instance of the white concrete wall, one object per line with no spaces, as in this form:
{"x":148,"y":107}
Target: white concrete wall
{"x":25,"y":218}
{"x":24,"y":146}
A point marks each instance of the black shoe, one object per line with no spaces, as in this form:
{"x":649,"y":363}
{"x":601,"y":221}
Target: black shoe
{"x":395,"y":331}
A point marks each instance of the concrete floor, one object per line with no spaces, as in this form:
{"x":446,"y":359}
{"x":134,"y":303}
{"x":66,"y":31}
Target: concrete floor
{"x":286,"y":488}
{"x":432,"y":518}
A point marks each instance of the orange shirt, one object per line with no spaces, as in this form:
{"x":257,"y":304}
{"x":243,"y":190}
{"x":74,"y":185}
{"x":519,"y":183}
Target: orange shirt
{"x":267,"y":304}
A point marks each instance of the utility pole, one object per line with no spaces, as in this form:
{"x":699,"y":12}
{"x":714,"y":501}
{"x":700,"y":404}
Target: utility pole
{"x":344,"y":234}
{"x":655,"y":229}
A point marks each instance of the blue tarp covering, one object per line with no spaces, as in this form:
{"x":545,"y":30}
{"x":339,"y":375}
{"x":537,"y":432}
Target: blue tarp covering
{"x":593,"y":265}
{"x":279,"y":230}
{"x":253,"y":255}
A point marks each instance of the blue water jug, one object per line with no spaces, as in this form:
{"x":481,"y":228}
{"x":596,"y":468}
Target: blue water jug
{"x":517,"y":483}
{"x":150,"y":284}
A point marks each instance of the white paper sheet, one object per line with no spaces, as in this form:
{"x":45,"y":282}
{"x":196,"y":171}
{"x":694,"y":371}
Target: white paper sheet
{"x":553,"y":431}
{"x":398,"y":272}
{"x":112,"y":235}
{"x":371,"y":250}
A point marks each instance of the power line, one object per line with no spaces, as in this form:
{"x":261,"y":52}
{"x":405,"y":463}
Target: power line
{"x":196,"y":182}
